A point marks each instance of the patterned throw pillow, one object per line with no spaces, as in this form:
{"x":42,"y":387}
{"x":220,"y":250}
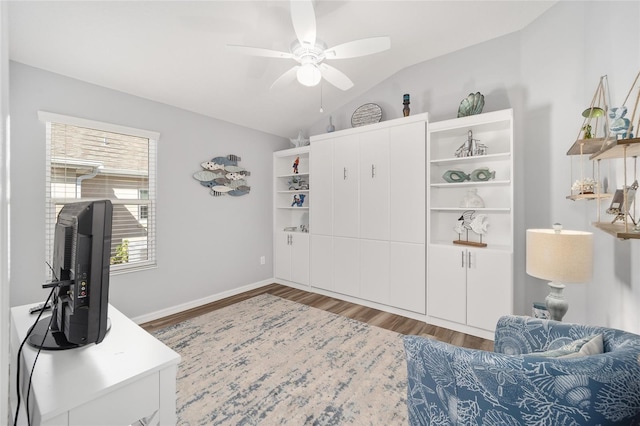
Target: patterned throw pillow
{"x":590,"y":345}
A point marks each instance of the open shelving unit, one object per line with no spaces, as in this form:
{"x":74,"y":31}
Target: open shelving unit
{"x":291,"y":215}
{"x":470,"y":280}
{"x":612,"y":145}
{"x":624,"y":149}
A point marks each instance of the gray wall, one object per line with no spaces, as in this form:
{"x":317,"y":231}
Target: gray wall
{"x":547,"y":73}
{"x":205,"y":245}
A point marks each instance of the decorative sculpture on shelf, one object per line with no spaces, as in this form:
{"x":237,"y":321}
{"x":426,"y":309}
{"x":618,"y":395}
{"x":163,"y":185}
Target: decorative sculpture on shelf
{"x":300,"y":140}
{"x":298,"y":200}
{"x":619,"y":124}
{"x":223,"y":176}
{"x":297,"y":183}
{"x":618,"y":207}
{"x":469,"y":221}
{"x":405,"y":101}
{"x":471,"y":105}
{"x":471,"y":147}
{"x":482,"y":174}
{"x":296,"y":163}
{"x":597,"y":109}
{"x":584,"y":186}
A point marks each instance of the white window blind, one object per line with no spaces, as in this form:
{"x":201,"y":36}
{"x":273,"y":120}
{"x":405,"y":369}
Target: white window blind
{"x":89,"y":160}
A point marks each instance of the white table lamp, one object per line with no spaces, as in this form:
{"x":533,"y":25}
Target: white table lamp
{"x":560,"y":256}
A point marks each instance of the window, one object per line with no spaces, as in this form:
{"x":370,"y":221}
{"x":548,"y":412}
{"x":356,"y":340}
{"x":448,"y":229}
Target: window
{"x":143,"y":210}
{"x":89,"y":160}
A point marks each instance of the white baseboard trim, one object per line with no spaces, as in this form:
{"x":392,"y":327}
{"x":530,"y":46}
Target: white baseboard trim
{"x":199,"y":302}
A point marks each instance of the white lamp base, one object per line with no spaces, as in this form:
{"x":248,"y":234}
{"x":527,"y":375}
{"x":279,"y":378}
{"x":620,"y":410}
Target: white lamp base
{"x":556,"y":303}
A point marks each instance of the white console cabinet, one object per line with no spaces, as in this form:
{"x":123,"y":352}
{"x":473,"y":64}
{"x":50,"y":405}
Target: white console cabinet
{"x":129,"y":378}
{"x":368,"y":213}
{"x":470,"y":287}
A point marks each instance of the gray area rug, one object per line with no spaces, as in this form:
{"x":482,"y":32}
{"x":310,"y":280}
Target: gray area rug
{"x":271,"y":361}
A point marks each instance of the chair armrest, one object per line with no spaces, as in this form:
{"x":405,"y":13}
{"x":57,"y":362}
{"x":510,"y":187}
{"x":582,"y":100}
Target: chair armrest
{"x":437,"y":373}
{"x":516,"y":335}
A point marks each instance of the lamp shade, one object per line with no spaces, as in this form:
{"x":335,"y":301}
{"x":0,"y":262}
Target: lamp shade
{"x":560,"y":256}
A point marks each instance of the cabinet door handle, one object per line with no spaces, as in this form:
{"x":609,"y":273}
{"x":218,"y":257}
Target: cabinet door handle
{"x":469,"y":259}
{"x":373,"y":171}
{"x":288,"y":239}
{"x":462,"y":259}
{"x":344,"y":173}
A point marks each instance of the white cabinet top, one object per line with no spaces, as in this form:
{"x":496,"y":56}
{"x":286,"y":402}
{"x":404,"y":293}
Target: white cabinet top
{"x":66,"y":379}
{"x":375,"y":126}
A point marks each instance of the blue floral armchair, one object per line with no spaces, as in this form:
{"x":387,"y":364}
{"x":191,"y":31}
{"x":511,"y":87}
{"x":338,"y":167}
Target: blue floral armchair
{"x":449,"y":385}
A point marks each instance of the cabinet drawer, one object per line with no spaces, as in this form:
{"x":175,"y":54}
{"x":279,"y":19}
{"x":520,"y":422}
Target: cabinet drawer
{"x":122,"y":406}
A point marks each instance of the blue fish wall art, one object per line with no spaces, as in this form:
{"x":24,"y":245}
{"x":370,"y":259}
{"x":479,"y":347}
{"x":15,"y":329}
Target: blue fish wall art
{"x":223,"y":176}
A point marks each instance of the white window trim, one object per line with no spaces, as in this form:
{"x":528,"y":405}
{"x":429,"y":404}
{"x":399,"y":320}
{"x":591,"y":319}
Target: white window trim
{"x":50,"y":117}
{"x":45,"y":116}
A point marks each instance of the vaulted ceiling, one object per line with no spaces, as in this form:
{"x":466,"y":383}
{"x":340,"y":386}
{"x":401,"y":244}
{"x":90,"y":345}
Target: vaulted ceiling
{"x":175,"y":52}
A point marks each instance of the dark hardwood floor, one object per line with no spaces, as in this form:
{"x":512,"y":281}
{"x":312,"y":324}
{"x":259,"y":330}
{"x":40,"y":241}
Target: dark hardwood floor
{"x":371,"y":316}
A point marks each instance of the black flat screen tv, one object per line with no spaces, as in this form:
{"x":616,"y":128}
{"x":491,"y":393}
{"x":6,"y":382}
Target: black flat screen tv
{"x":81,"y":257}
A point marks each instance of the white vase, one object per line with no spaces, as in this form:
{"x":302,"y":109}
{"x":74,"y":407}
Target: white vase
{"x":472,"y":200}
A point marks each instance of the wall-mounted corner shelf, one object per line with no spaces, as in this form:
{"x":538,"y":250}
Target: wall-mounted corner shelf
{"x":588,"y":196}
{"x":586,"y":146}
{"x":618,"y":230}
{"x":618,"y":148}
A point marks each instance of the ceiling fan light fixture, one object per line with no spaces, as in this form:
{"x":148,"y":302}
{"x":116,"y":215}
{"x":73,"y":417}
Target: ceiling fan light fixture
{"x":309,"y":75}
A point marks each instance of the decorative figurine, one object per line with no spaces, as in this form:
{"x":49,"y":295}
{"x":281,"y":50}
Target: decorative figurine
{"x":297,"y":183}
{"x":455,"y":176}
{"x":618,"y":207}
{"x":482,"y":174}
{"x":471,"y":147}
{"x":331,"y":127}
{"x":405,"y":101}
{"x":469,"y":221}
{"x":295,"y":165}
{"x":299,"y":141}
{"x":298,"y":200}
{"x":584,"y":186}
{"x":471,"y":105}
{"x":619,"y":125}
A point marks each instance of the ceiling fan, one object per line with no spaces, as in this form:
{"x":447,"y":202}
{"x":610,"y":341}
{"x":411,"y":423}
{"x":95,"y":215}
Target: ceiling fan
{"x":310,"y":52}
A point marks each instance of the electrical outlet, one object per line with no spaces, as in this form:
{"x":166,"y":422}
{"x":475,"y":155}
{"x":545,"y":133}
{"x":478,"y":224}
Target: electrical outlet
{"x":262,"y":260}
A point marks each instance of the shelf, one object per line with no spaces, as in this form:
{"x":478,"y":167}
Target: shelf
{"x":292,"y":175}
{"x":618,"y":148}
{"x":617,"y":230}
{"x":293,"y":191}
{"x":449,"y":243}
{"x":588,"y":196}
{"x":464,"y":209}
{"x":293,"y":208}
{"x":589,"y":146}
{"x":488,"y":157}
{"x":470,"y":183}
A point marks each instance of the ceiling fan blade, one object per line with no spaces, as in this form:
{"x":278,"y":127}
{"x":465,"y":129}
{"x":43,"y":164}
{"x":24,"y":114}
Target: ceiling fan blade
{"x":258,"y":51}
{"x":335,"y":77}
{"x":304,"y":21}
{"x":285,"y":79}
{"x":353,"y":49}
